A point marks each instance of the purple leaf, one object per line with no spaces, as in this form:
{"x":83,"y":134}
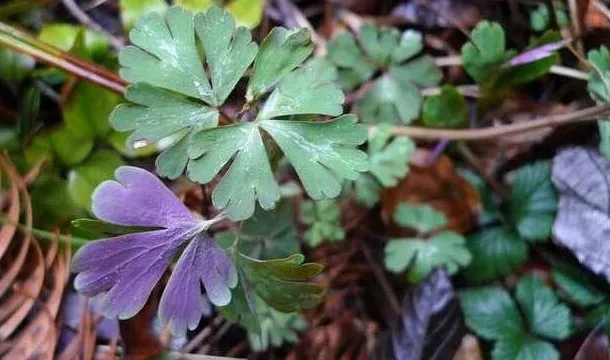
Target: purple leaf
{"x":537,"y":53}
{"x":122,"y":271}
{"x":204,"y":262}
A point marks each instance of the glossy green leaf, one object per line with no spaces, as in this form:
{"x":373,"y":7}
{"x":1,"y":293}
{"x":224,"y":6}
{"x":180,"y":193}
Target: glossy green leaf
{"x":29,"y":109}
{"x":97,"y":229}
{"x":83,"y":179}
{"x":446,"y":249}
{"x":446,"y":110}
{"x":323,"y":219}
{"x":155,"y":114}
{"x":483,"y":55}
{"x":132,"y":10}
{"x":524,"y":347}
{"x":496,"y":252}
{"x":71,"y":145}
{"x":533,"y":201}
{"x":267,"y":234}
{"x":423,"y":218}
{"x":88,"y":108}
{"x":285,"y":284}
{"x":577,"y":288}
{"x":281,"y":52}
{"x":546,"y":316}
{"x":491,"y":313}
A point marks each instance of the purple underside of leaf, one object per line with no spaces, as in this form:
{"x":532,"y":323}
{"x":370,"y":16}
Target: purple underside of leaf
{"x":122,"y":271}
{"x":182,"y":303}
{"x":536,"y":53}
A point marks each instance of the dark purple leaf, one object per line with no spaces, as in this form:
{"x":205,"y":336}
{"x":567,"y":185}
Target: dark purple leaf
{"x":122,"y":271}
{"x":431,"y":325}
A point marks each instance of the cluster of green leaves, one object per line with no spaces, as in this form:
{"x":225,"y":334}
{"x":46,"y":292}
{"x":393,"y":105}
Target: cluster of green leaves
{"x":432,"y":247}
{"x":599,"y":90}
{"x":323,"y":220}
{"x":501,"y":245}
{"x":484,"y":58}
{"x":394,"y":96}
{"x":277,"y":328}
{"x":540,"y":17}
{"x":518,"y":331}
{"x":172,"y":95}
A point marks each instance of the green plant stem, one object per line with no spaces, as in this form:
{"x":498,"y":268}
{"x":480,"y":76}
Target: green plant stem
{"x":46,"y":235}
{"x":20,"y":41}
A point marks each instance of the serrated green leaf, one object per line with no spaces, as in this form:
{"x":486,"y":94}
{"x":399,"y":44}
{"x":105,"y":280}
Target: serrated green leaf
{"x":308,"y":90}
{"x":164,"y":54}
{"x":446,"y":110}
{"x":353,"y":67}
{"x":132,"y":10}
{"x":483,"y":55}
{"x":547,"y":317}
{"x":524,"y":347}
{"x":491,"y":313}
{"x":155,"y":114}
{"x":249,"y":176}
{"x":83,"y":179}
{"x":533,"y":201}
{"x":324,"y":221}
{"x":495,"y":252}
{"x":389,"y":159}
{"x":229,"y":50}
{"x":267,"y":234}
{"x":281,"y":52}
{"x":423,"y":218}
{"x":322,"y":153}
{"x":285,"y":284}
{"x":421,"y":257}
{"x":578,"y":289}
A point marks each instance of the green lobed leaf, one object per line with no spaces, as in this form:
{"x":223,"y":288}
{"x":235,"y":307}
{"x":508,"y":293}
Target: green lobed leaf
{"x":83,"y":179}
{"x":496,"y":252}
{"x":281,"y":52}
{"x":390,"y":102}
{"x":155,"y":114}
{"x":72,"y":146}
{"x":421,"y":257}
{"x":446,"y":110}
{"x":491,"y":313}
{"x":324,"y":221}
{"x":276,"y":328}
{"x":97,"y":229}
{"x":389,"y":159}
{"x":540,"y":18}
{"x":483,"y":55}
{"x":547,"y":317}
{"x":367,"y":190}
{"x":353,"y":66}
{"x":423,"y":218}
{"x":285,"y":284}
{"x":533,"y":201}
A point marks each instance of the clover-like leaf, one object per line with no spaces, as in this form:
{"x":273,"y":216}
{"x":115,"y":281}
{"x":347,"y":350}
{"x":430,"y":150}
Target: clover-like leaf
{"x":367,"y":190}
{"x":389,"y":159}
{"x":123,"y":270}
{"x":496,"y":251}
{"x":353,"y":66}
{"x":423,"y":218}
{"x":421,"y":257}
{"x":285,"y":284}
{"x":324,"y":221}
{"x":164,"y":54}
{"x":276,"y":328}
{"x":281,"y":52}
{"x":533,"y":201}
{"x":483,"y":55}
{"x":155,"y":114}
{"x":546,"y":316}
